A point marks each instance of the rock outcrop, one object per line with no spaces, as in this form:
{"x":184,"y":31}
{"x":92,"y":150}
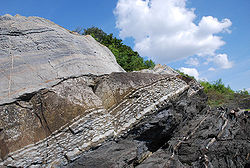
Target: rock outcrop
{"x":185,"y":133}
{"x":79,"y":113}
{"x":160,"y":69}
{"x":37,"y":53}
{"x":101,"y":116}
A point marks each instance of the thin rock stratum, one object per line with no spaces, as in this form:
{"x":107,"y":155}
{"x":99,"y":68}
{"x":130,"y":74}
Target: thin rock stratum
{"x":65,"y":102}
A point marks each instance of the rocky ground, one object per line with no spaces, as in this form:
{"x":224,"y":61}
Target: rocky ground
{"x":186,"y":133}
{"x":123,"y":120}
{"x":37,"y":53}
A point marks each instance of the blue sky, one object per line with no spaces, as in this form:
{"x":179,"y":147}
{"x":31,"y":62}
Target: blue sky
{"x":230,"y":61}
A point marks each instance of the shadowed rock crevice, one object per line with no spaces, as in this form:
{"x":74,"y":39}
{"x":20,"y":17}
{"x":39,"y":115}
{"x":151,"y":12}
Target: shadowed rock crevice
{"x":187,"y":133}
{"x":25,"y":32}
{"x":65,"y":102}
{"x":150,"y":135}
{"x":26,"y":97}
{"x":156,"y":130}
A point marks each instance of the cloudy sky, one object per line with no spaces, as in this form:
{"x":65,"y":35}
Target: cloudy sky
{"x":206,"y":39}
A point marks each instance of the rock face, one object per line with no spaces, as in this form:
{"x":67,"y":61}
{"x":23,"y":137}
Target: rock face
{"x":122,"y":120}
{"x":160,"y":69}
{"x":36,"y":53}
{"x":80,"y":113}
{"x":90,"y":117}
{"x":185,"y":133}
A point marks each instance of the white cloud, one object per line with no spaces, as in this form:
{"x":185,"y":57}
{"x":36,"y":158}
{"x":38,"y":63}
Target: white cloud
{"x":190,"y":71}
{"x":164,"y":30}
{"x":192,"y":62}
{"x":222,"y":61}
{"x":211,"y":69}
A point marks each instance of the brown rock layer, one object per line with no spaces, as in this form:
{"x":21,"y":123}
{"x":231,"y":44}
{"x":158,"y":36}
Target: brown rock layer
{"x":114,"y":102}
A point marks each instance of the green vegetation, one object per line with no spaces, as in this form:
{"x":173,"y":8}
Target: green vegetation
{"x":218,"y":94}
{"x":243,"y":92}
{"x":217,"y":86}
{"x":128,"y":59}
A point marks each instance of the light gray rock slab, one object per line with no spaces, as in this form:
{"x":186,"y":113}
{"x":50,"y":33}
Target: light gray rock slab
{"x":73,"y":155}
{"x":161,"y":69}
{"x":36,"y":53}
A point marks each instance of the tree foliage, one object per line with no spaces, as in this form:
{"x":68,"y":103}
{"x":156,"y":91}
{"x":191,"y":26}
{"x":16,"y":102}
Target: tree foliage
{"x":128,"y":59}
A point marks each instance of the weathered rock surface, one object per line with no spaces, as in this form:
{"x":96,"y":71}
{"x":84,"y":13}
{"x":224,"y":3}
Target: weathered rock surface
{"x":36,"y":53}
{"x":79,"y":113}
{"x":160,"y":69}
{"x":185,"y":133}
{"x":73,"y":112}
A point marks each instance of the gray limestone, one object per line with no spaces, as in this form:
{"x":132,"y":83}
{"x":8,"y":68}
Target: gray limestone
{"x":36,"y":53}
{"x":161,"y":69}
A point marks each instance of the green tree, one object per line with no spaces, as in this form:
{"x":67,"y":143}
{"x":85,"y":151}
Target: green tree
{"x":95,"y":32}
{"x":128,"y":59}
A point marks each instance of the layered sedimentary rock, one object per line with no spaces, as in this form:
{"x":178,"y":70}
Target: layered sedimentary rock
{"x":73,"y":112}
{"x":184,"y":133}
{"x":37,"y":53}
{"x":123,"y":120}
{"x":79,"y":113}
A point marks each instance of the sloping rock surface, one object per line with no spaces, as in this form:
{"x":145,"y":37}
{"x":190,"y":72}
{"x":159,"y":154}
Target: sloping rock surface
{"x":184,"y":134}
{"x":56,"y":125}
{"x":160,"y":69}
{"x":62,"y":107}
{"x":37,"y":53}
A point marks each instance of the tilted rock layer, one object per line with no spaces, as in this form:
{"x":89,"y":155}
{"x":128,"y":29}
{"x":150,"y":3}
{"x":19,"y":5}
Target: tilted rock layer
{"x":36,"y":53}
{"x":79,"y":113}
{"x":65,"y":102}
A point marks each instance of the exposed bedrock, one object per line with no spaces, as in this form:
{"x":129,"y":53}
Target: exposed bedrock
{"x":185,"y":133}
{"x":65,"y":102}
{"x":56,"y":125}
{"x":37,"y":53}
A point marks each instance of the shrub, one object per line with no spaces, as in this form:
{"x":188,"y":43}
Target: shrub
{"x":128,"y":59}
{"x":218,"y":94}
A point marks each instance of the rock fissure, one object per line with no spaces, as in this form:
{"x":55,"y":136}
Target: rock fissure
{"x":185,"y":138}
{"x":41,"y":115}
{"x":40,"y":107}
{"x":23,"y":33}
{"x":78,"y":108}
